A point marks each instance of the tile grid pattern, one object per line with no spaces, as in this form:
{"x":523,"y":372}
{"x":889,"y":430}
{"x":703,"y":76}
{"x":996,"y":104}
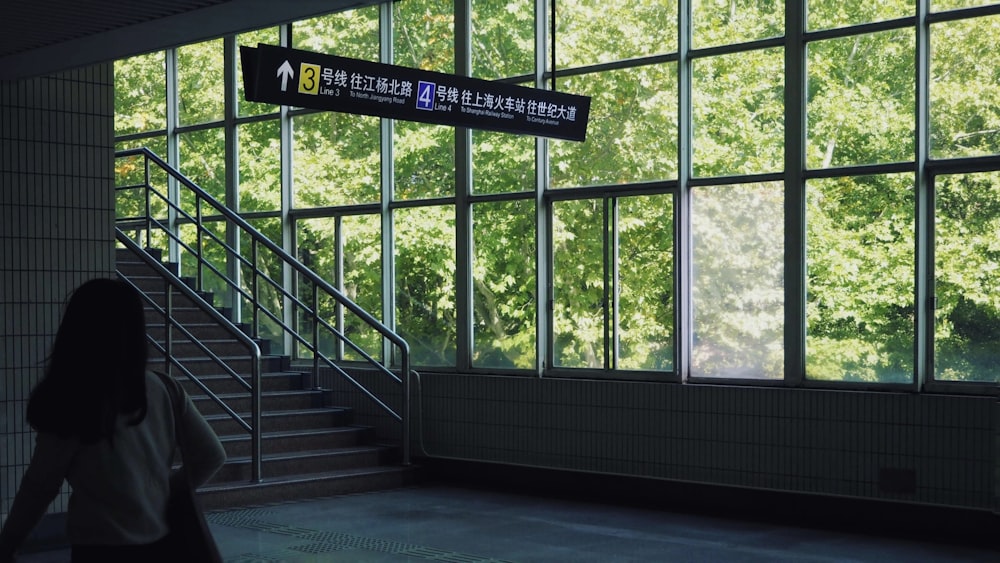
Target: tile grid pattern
{"x":920,"y":448}
{"x":56,"y":230}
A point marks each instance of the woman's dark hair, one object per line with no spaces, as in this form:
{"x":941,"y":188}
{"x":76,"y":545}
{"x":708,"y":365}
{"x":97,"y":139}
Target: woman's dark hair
{"x":97,"y":365}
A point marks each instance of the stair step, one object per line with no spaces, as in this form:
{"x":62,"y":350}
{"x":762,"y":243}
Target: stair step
{"x":308,"y":449}
{"x":271,"y":382}
{"x":296,"y":487}
{"x":206,"y":329}
{"x":271,"y":401}
{"x":296,"y":463}
{"x":284,"y":420}
{"x":184,"y":315}
{"x":238,"y":446}
{"x":204,"y":366}
{"x":219,"y":346}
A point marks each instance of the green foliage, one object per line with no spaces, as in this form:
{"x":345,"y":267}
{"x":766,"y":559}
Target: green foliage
{"x":200,"y":82}
{"x":738,"y":113}
{"x":425,"y":283}
{"x":967,"y":276}
{"x":504,"y":296}
{"x":824,"y":14}
{"x":965,"y":100}
{"x":600,"y":31}
{"x":503,"y":40}
{"x":140,"y":94}
{"x":860,"y":269}
{"x":738,"y":281}
{"x":861,"y":92}
{"x":723,"y":22}
{"x":350,"y":141}
{"x":632,"y":133}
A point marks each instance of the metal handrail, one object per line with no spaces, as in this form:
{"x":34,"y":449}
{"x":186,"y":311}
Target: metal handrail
{"x":148,"y":223}
{"x":173,"y":283}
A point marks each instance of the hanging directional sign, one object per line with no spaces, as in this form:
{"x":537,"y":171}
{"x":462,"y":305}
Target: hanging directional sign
{"x":305,"y":79}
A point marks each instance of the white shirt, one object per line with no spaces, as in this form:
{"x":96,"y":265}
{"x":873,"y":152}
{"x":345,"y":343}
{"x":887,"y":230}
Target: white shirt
{"x":120,"y":487}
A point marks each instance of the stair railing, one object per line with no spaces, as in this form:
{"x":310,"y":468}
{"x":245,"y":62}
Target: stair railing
{"x":160,"y":217}
{"x":172,"y":285}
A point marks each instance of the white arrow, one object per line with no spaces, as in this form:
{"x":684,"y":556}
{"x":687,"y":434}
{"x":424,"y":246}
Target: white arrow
{"x":285,"y":72}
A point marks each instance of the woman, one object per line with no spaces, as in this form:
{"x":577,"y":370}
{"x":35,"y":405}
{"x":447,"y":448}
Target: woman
{"x":105,"y":425}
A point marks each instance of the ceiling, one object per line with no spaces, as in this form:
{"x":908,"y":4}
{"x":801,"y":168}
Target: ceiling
{"x":39,"y":37}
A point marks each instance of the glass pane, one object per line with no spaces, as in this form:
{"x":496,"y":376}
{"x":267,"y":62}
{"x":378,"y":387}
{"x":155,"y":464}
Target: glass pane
{"x":131,"y":171}
{"x":725,"y":22}
{"x":600,"y":31}
{"x":942,"y":5}
{"x":202,"y":160}
{"x":208,"y":243}
{"x":424,"y":35}
{"x":156,"y":144}
{"x":737,"y":301}
{"x":967,"y":278}
{"x":141,"y":94}
{"x":356,"y":272}
{"x":270,"y":295}
{"x":352,"y":33}
{"x":860,"y":271}
{"x":738,"y":105}
{"x":502,"y":163}
{"x":632,"y":134}
{"x":965,"y":100}
{"x":503,"y":285}
{"x":336,"y":159}
{"x":362,"y":273}
{"x":646,"y":282}
{"x":861,"y":92}
{"x":268,"y":36}
{"x":827,"y":14}
{"x":260,"y":166}
{"x":578,"y":273}
{"x":503,"y":41}
{"x":425,"y":160}
{"x":425,"y":283}
{"x":200,"y":91}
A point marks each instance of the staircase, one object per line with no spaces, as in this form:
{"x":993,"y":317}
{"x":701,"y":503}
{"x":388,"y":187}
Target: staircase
{"x":309,"y":447}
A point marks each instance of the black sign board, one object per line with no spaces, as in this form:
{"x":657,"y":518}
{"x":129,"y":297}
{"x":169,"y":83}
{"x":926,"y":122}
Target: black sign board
{"x":305,"y":79}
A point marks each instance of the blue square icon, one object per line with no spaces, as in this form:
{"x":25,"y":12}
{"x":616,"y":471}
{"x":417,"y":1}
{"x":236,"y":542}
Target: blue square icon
{"x":425,"y":95}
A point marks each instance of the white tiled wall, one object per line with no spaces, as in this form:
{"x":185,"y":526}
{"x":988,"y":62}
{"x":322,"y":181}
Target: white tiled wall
{"x":56,"y":230}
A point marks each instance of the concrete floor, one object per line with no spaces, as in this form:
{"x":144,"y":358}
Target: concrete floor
{"x":463,"y":525}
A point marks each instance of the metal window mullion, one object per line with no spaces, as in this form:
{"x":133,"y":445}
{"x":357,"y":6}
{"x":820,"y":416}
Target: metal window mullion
{"x":173,"y":156}
{"x":287,"y":224}
{"x":796,"y":90}
{"x":463,"y":190}
{"x":232,"y":179}
{"x":611,"y":283}
{"x":544,"y":352}
{"x":682,"y":209}
{"x":338,"y":244}
{"x":387,"y":180}
{"x":924,"y":293}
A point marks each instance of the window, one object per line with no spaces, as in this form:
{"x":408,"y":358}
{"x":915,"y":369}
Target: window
{"x":967,"y":277}
{"x":738,"y":113}
{"x":860,"y":275}
{"x":737,"y":291}
{"x":694,"y":235}
{"x":613,"y":305}
{"x":504,"y":300}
